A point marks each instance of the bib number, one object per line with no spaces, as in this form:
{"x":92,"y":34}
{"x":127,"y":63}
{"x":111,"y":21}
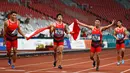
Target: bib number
{"x":59,"y":32}
{"x":120,"y":36}
{"x":96,"y":37}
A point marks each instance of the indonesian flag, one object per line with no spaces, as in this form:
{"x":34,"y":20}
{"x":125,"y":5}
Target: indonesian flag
{"x":35,"y":32}
{"x":75,"y":28}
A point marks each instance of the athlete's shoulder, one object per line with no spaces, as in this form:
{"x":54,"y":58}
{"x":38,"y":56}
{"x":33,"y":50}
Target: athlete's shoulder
{"x":5,"y":22}
{"x":116,"y":28}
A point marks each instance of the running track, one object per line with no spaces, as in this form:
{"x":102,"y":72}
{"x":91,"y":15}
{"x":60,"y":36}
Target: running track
{"x":72,"y":63}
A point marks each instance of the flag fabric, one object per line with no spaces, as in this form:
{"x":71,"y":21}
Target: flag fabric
{"x":74,"y":27}
{"x":35,"y":32}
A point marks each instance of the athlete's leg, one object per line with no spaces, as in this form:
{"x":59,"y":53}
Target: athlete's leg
{"x":118,"y":53}
{"x":14,"y":45}
{"x":92,"y":53}
{"x":8,"y":48}
{"x":92,"y":58}
{"x":98,"y":60}
{"x":122,"y":52}
{"x":55,"y":55}
{"x":14,"y":57}
{"x":60,"y":55}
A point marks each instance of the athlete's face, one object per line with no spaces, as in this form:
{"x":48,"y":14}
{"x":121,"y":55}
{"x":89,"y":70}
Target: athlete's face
{"x":60,"y":18}
{"x":119,"y":23}
{"x":97,"y":23}
{"x":13,"y":15}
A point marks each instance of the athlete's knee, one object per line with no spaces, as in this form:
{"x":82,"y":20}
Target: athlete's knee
{"x":91,"y":57}
{"x":59,"y":52}
{"x":123,"y":49}
{"x":97,"y":55}
{"x":8,"y":53}
{"x":118,"y":52}
{"x":14,"y":51}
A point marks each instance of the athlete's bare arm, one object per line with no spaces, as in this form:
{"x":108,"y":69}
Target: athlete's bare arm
{"x":85,"y":25}
{"x":51,"y":28}
{"x":125,"y":30}
{"x":108,"y":26}
{"x":4,"y":32}
{"x":115,"y":34}
{"x":19,"y":30}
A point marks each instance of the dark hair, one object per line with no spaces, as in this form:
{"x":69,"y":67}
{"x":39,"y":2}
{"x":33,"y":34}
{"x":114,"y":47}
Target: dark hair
{"x":58,"y":15}
{"x":13,"y":12}
{"x":98,"y":19}
{"x":120,"y":21}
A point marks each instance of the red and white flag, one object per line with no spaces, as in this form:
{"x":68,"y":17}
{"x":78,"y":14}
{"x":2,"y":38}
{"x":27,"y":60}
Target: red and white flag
{"x":73,"y":27}
{"x":35,"y":32}
{"x":76,"y":29}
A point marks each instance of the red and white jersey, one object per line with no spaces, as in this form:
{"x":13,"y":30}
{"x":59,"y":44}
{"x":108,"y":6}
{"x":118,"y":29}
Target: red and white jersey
{"x":12,"y":30}
{"x":59,"y":30}
{"x":96,"y":34}
{"x":120,"y":32}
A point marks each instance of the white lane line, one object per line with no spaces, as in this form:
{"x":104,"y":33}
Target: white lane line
{"x":52,"y":61}
{"x":100,"y":66}
{"x":67,"y":65}
{"x":14,"y":70}
{"x":125,"y":71}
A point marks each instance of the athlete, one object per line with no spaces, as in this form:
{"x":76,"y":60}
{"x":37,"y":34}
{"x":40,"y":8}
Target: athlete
{"x":59,"y":28}
{"x":120,"y":33}
{"x":96,"y":40}
{"x":11,"y":29}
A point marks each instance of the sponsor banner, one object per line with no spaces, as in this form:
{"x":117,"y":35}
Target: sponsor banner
{"x":87,"y":44}
{"x":2,"y":46}
{"x":127,"y":43}
{"x":40,"y":44}
{"x":34,"y":44}
{"x":78,"y":44}
{"x":67,"y":44}
{"x":111,"y":41}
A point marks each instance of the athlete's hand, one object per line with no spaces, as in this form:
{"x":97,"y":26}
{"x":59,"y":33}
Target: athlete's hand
{"x":26,"y":38}
{"x":117,"y":38}
{"x":113,"y":21}
{"x":76,"y":20}
{"x":125,"y":38}
{"x":71,"y":32}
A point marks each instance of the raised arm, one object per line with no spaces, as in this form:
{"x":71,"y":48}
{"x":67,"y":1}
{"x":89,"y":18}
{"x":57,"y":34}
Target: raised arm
{"x":108,"y":26}
{"x":85,"y":25}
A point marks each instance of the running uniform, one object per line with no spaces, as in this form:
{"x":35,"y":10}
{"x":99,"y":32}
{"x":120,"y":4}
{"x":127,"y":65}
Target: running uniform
{"x":11,"y":35}
{"x":96,"y":40}
{"x":59,"y":30}
{"x":120,"y":34}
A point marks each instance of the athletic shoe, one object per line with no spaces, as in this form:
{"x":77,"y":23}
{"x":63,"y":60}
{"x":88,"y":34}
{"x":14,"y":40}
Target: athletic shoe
{"x":122,"y":61}
{"x":118,"y":63}
{"x":60,"y":67}
{"x":13,"y":67}
{"x":9,"y":61}
{"x":54,"y":64}
{"x":97,"y":68}
{"x":94,"y":63}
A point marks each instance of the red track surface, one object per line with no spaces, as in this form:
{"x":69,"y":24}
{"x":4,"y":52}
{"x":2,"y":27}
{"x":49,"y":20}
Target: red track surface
{"x":72,"y":63}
